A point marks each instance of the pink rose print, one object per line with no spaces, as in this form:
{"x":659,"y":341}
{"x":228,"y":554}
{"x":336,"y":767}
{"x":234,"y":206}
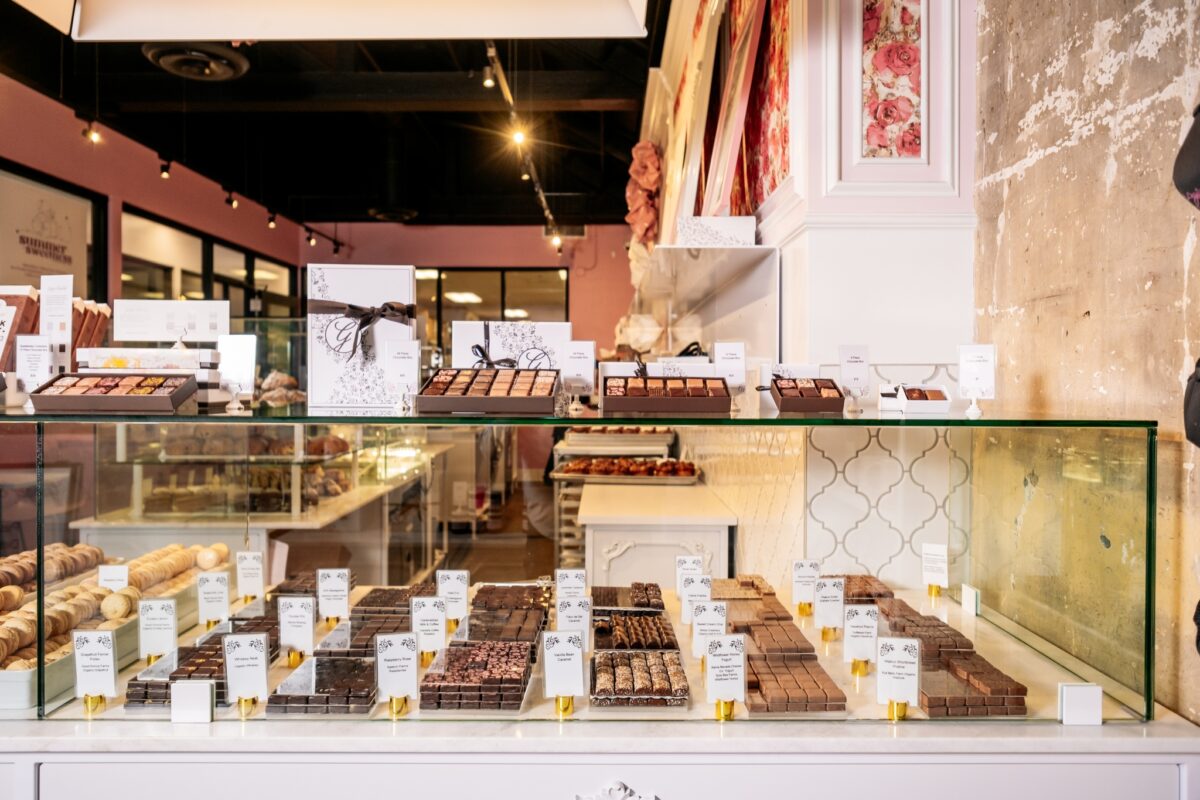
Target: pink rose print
{"x":877,"y":136}
{"x":910,"y":141}
{"x":892,"y":112}
{"x":871,"y":20}
{"x":898,"y":58}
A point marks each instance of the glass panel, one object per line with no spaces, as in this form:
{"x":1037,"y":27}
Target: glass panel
{"x":146,"y":244}
{"x":468,"y":294}
{"x":536,"y":295}
{"x":191,"y":286}
{"x":273,"y":277}
{"x":1046,"y":519}
{"x":144,"y":281}
{"x":229,"y":263}
{"x":427,"y":291}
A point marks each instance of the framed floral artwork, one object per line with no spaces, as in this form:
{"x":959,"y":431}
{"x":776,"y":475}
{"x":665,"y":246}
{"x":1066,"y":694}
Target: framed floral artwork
{"x":893,"y":56}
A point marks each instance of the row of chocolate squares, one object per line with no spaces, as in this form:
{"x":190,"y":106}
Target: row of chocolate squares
{"x":665,"y":387}
{"x":492,"y":383}
{"x":807,"y":387}
{"x":130,"y":384}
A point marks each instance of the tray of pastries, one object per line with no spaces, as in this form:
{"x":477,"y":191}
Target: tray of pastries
{"x":639,"y":471}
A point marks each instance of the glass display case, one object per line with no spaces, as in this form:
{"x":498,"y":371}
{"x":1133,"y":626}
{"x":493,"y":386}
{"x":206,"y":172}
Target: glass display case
{"x":1047,"y":525}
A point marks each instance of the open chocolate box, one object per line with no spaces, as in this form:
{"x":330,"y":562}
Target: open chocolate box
{"x":489,"y":390}
{"x":921,"y":398}
{"x":113,"y":393}
{"x":807,"y":394}
{"x":666,"y":395}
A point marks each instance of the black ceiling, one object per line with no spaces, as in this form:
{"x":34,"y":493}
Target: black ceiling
{"x":341,"y":131}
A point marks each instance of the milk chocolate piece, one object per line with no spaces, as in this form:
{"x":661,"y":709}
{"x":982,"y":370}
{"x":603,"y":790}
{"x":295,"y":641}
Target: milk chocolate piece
{"x":935,"y":394}
{"x":913,"y":393}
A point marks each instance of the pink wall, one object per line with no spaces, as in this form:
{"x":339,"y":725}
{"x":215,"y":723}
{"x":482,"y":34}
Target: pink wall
{"x":598,"y":264}
{"x":42,"y":134}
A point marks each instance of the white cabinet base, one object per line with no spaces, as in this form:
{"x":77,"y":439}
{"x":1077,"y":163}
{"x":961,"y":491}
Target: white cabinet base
{"x":618,"y":555}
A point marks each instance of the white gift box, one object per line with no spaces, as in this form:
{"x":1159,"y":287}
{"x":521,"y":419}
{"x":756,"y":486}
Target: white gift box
{"x":530,"y":345}
{"x":345,"y":374}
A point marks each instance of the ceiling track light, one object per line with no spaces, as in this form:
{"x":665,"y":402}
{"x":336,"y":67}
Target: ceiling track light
{"x":164,"y":170}
{"x":337,"y":247}
{"x":518,"y":136}
{"x":489,"y":78}
{"x":230,"y":200}
{"x":271,"y":220}
{"x":92,"y":133}
{"x":312,"y":237}
{"x":556,"y":240}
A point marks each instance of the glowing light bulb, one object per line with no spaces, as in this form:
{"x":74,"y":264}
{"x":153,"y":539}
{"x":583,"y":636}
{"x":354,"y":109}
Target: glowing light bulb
{"x":519,"y":137}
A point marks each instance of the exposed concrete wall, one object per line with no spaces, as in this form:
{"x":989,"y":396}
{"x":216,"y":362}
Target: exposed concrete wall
{"x":1087,"y":270}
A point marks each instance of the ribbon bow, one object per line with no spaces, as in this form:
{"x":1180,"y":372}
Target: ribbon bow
{"x":484,"y":359}
{"x":366,"y":316}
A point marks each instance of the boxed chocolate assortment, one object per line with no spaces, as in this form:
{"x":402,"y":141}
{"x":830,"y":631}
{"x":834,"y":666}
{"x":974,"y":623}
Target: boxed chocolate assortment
{"x":327,"y":686}
{"x":914,"y":398}
{"x":666,"y":395}
{"x":490,"y":390}
{"x":638,"y":679}
{"x":75,"y":393}
{"x":646,"y":596}
{"x":478,"y":676}
{"x":807,"y":394}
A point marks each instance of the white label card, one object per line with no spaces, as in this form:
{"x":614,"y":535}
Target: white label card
{"x":33,"y":362}
{"x":563,"y":658}
{"x":804,"y":580}
{"x":830,"y":597}
{"x":696,"y":589}
{"x":729,"y":362}
{"x":212,"y":589}
{"x":687,"y":565}
{"x":396,"y":665}
{"x":570,"y":583}
{"x":8,"y":315}
{"x":977,"y":371}
{"x":95,"y":663}
{"x":158,"y":629}
{"x":246,"y":666}
{"x":970,"y":600}
{"x":725,"y":668}
{"x":239,"y":356}
{"x":113,"y":577}
{"x":862,"y":629}
{"x":856,"y":368}
{"x":575,"y":614}
{"x":898,"y":666}
{"x":578,"y":370}
{"x":296,"y":620}
{"x":452,"y":586}
{"x":250,"y":581}
{"x":192,"y":700}
{"x":169,"y":320}
{"x":402,"y":367}
{"x":55,"y":318}
{"x":935,"y":564}
{"x":708,"y":621}
{"x":333,"y":592}
{"x":429,"y":623}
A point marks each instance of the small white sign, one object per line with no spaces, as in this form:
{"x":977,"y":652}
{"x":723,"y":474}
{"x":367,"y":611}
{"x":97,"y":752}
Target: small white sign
{"x":192,"y":700}
{"x":563,"y":659}
{"x":452,"y":586}
{"x":575,"y":614}
{"x":402,"y":367}
{"x":570,"y":583}
{"x":795,"y":371}
{"x":333,"y":592}
{"x":158,"y":627}
{"x":682,"y":367}
{"x":862,"y":631}
{"x":725,"y":668}
{"x":899,"y":668}
{"x":169,"y":320}
{"x":935,"y":564}
{"x":729,"y":362}
{"x":578,"y":370}
{"x":686,"y":565}
{"x":33,"y":362}
{"x":250,"y":581}
{"x":113,"y":577}
{"x":246,"y":666}
{"x":804,"y":581}
{"x":856,"y":369}
{"x":708,"y":621}
{"x":95,"y":663}
{"x":239,"y":361}
{"x":8,"y":315}
{"x":396,"y":665}
{"x":977,"y":371}
{"x":429,"y":623}
{"x":696,"y":589}
{"x":829,"y":601}
{"x":1080,"y":704}
{"x":57,"y":292}
{"x":296,"y":620}
{"x":212,"y":591}
{"x":970,"y":600}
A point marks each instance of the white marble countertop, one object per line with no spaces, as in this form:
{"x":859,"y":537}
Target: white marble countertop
{"x":605,"y":504}
{"x":1169,"y":735}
